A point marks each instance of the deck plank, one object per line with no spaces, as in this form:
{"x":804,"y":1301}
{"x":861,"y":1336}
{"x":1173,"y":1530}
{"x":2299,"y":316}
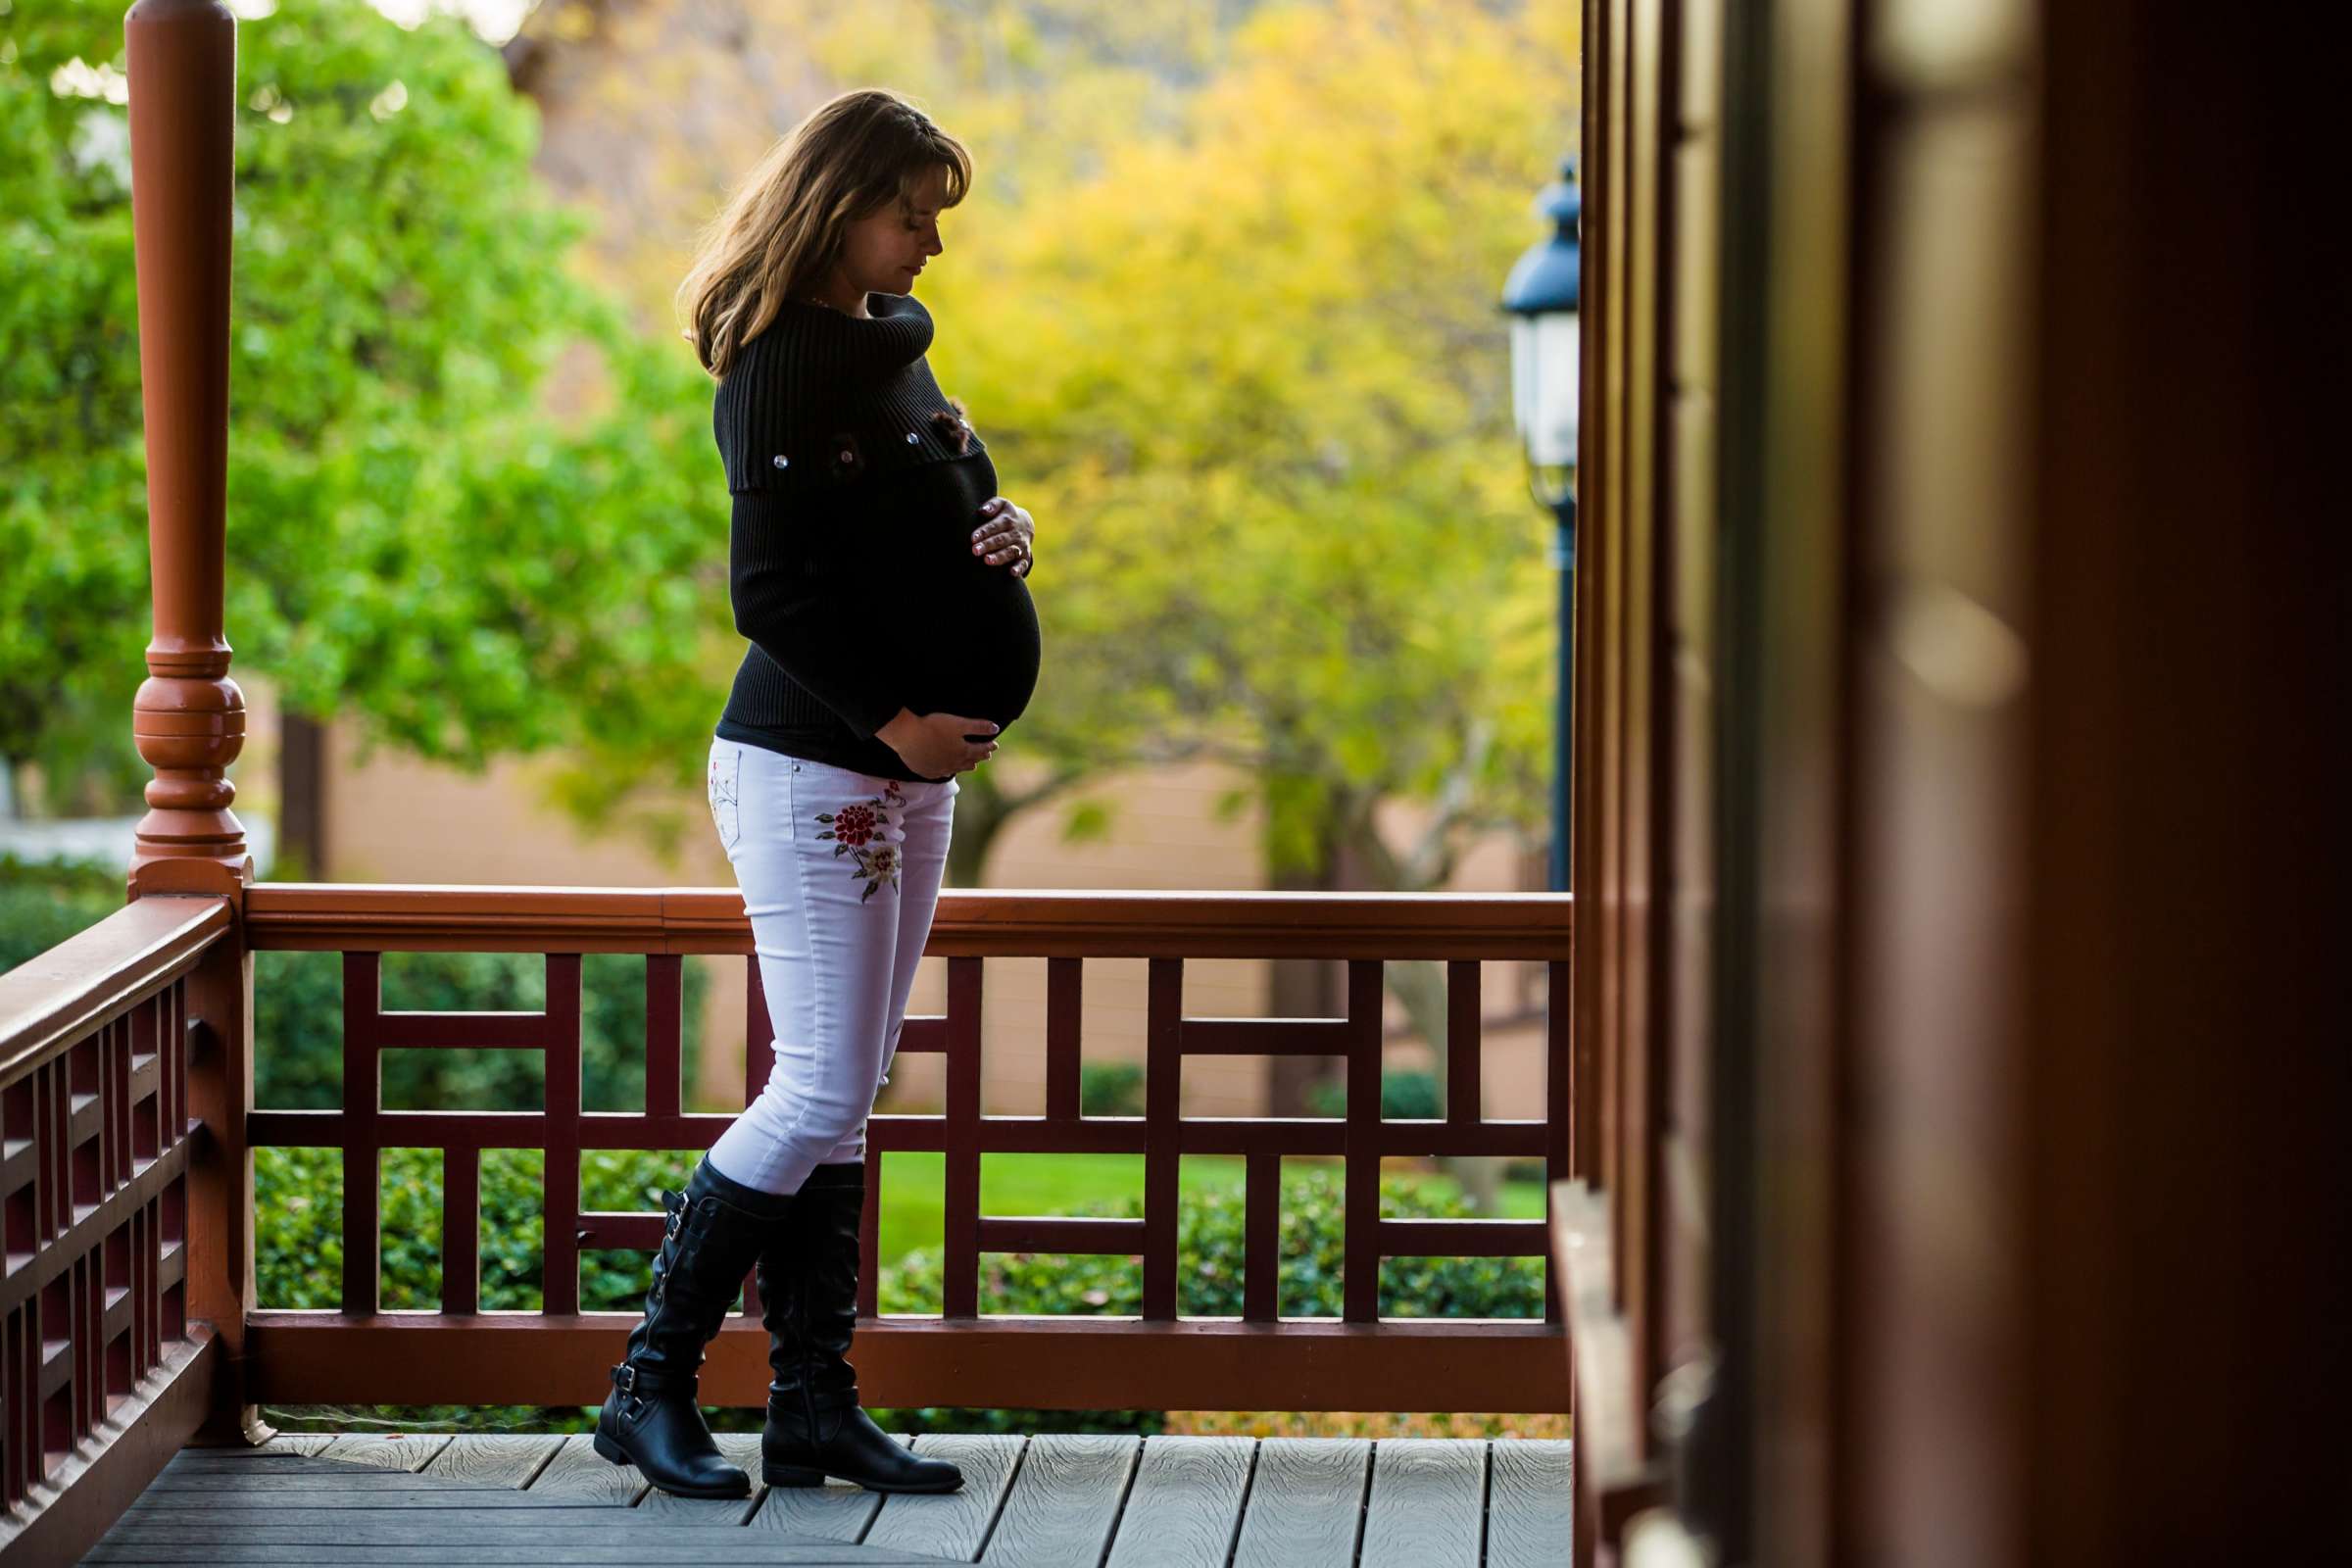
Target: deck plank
{"x":280,"y":1445}
{"x":1428,"y":1498}
{"x":624,"y":1553}
{"x":329,"y":1525}
{"x":578,"y":1471}
{"x":173,"y":1479}
{"x":1185,"y":1507}
{"x":494,"y":1458}
{"x":493,"y":1499}
{"x":394,"y":1451}
{"x":483,"y":1528}
{"x":838,"y":1510}
{"x":203,"y":1461}
{"x":1307,"y":1505}
{"x":678,"y":1544}
{"x":1530,"y":1514}
{"x":257,"y":1500}
{"x":1063,"y":1506}
{"x":952,"y":1525}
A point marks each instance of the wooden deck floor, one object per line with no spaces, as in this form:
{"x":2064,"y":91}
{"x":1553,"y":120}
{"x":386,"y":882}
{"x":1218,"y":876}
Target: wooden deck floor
{"x":1035,"y":1502}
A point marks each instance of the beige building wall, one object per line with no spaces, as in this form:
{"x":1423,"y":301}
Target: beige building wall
{"x":395,"y":818}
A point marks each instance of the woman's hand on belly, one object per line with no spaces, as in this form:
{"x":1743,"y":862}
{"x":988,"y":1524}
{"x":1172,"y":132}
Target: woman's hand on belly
{"x":938,"y":745}
{"x":1006,"y":536}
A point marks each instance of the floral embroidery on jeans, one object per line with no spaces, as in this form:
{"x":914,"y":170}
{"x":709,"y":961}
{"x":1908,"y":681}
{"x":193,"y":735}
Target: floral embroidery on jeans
{"x":727,"y":771}
{"x":856,"y":830}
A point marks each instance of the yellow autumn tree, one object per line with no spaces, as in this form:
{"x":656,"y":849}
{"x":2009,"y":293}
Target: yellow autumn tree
{"x":1250,"y":374}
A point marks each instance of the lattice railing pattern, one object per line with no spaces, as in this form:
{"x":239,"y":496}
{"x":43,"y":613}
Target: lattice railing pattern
{"x":1065,"y":931}
{"x":94,"y":1146}
{"x":1162,"y":1136}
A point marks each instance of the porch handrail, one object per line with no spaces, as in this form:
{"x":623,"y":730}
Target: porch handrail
{"x":557,"y":1354}
{"x":71,"y":991}
{"x":988,"y":922}
{"x":100,"y":1294}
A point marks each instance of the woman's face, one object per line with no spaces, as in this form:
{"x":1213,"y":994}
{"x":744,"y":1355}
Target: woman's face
{"x":882,"y":252}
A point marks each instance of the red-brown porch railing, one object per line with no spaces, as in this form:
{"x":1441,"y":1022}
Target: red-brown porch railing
{"x":108,"y":1263}
{"x":460,"y":1353}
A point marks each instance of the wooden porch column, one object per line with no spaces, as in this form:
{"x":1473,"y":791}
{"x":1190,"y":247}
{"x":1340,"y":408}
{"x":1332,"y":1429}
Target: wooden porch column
{"x":188,"y":717}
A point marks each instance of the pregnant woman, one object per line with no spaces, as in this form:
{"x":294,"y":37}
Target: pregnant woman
{"x":881,"y":582}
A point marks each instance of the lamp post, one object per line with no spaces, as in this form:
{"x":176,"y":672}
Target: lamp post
{"x":1542,"y":295}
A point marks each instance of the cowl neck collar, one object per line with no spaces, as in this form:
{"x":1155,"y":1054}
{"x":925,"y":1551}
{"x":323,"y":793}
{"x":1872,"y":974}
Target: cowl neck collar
{"x":895,"y":333}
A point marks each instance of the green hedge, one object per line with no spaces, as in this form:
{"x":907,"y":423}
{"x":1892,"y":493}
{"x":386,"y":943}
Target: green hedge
{"x":1406,"y":1094}
{"x":298,"y":1030}
{"x":299,"y":1194}
{"x":1110,"y":1089}
{"x":1208,"y":1263}
{"x":298,"y":1207}
{"x":1116,"y":1089}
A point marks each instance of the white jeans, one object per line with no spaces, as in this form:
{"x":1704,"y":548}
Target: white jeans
{"x":840,"y":874}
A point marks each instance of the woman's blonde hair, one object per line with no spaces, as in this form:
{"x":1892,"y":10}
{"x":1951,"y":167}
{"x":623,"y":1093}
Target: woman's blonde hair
{"x":782,"y":231}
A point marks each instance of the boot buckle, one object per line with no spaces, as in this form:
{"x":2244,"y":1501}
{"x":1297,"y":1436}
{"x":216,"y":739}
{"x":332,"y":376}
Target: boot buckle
{"x":624,"y":1377}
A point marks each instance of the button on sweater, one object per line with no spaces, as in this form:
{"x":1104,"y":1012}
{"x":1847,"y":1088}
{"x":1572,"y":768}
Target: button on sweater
{"x":856,"y":487}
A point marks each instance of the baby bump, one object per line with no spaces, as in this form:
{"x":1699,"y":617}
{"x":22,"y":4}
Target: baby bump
{"x":980,"y":650}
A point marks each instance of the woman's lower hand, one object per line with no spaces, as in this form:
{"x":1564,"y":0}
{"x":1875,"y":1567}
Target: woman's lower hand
{"x":1006,"y":536}
{"x":939,"y":745}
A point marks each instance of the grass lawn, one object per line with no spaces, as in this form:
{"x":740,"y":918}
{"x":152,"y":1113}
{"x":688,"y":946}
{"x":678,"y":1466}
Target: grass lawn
{"x":913,"y":1185}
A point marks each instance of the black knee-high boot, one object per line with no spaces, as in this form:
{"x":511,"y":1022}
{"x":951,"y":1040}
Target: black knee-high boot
{"x":808,"y":1292}
{"x":651,"y":1419}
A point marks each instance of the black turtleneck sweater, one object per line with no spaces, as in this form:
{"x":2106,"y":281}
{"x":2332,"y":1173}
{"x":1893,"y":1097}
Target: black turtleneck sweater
{"x":857,"y":488}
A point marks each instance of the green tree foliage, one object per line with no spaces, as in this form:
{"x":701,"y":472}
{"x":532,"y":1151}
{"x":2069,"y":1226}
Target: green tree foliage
{"x":43,"y":903}
{"x":417,"y":543}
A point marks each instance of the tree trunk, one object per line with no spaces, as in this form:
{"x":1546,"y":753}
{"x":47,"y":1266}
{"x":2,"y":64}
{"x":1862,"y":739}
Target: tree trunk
{"x":302,"y":799}
{"x":1303,"y":987}
{"x":980,"y":811}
